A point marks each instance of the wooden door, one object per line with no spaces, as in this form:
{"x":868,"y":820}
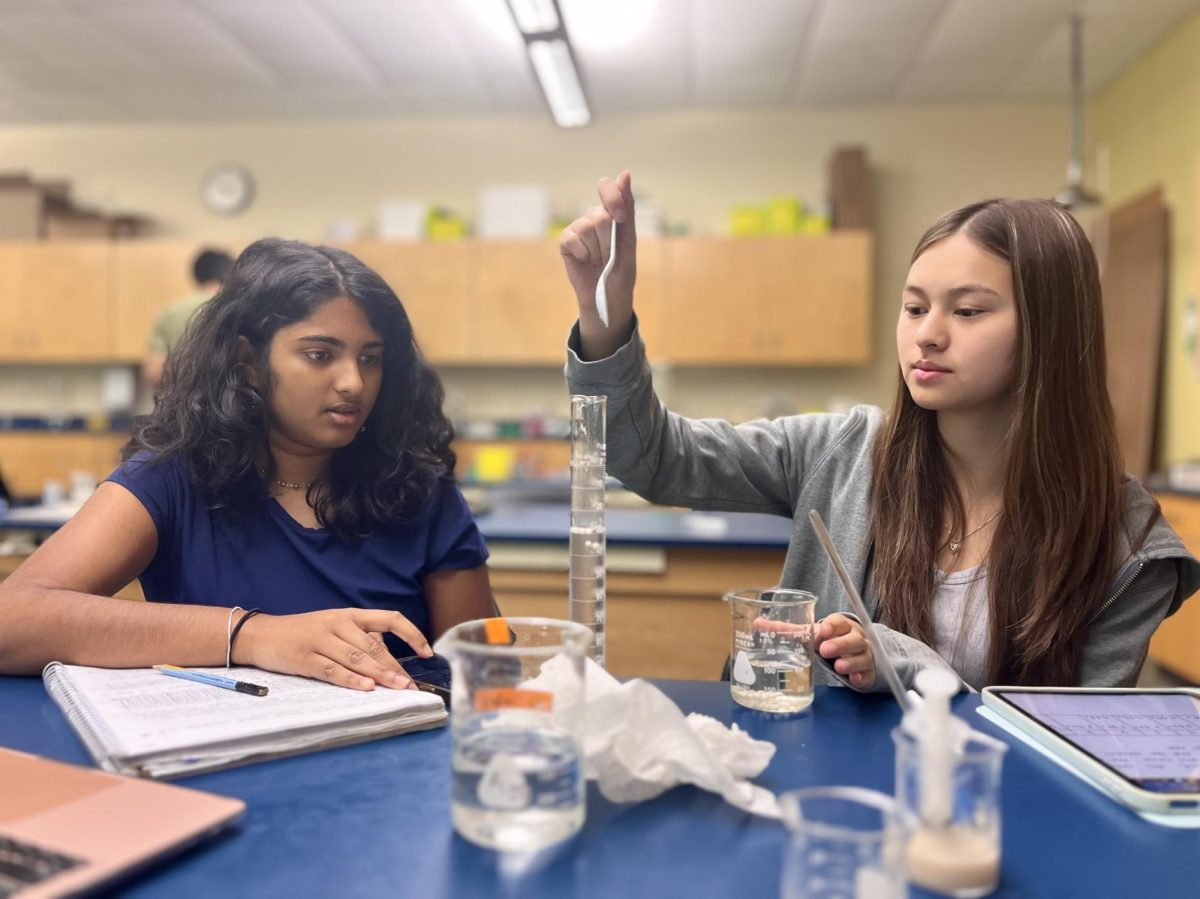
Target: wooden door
{"x":1135,"y":294}
{"x":147,"y":276}
{"x":432,"y":280}
{"x":522,"y":305}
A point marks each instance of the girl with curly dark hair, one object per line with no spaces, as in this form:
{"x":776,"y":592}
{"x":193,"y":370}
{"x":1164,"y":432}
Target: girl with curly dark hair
{"x":297,"y":462}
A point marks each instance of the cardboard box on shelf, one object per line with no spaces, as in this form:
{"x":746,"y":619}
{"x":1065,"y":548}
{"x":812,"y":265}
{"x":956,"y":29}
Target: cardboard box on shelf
{"x":74,"y":224}
{"x":850,"y":189}
{"x":42,"y":210}
{"x":22,"y":208}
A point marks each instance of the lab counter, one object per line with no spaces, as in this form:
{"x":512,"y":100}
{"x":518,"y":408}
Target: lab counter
{"x":652,"y":526}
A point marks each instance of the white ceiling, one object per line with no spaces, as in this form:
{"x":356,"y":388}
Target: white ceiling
{"x":135,"y":60}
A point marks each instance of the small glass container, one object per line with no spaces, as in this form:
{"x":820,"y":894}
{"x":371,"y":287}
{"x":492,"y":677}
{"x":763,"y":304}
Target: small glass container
{"x":959,"y":856}
{"x":844,"y":843}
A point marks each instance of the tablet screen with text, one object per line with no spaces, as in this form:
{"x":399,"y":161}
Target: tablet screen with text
{"x":1151,"y":739}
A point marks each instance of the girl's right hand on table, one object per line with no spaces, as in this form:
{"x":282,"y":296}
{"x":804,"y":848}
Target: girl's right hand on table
{"x":339,"y":646}
{"x":584,"y":245}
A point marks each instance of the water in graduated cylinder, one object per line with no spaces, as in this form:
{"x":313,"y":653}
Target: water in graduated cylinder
{"x":586,"y":587}
{"x":773,"y":684}
{"x":517,"y":790}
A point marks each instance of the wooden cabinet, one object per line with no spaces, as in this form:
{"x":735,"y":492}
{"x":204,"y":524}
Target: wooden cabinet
{"x":701,"y":301}
{"x":649,"y":297}
{"x":30,"y":458}
{"x":433,"y":281}
{"x":55,"y":298}
{"x":1175,"y":643}
{"x":770,"y":301}
{"x":521,"y":303}
{"x":672,"y":624}
{"x":11,"y":324}
{"x":147,"y":276}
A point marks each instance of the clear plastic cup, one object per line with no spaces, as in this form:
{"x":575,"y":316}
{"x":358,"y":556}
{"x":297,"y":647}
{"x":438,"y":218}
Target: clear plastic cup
{"x":516,"y":719}
{"x":958,"y":857}
{"x":844,"y":843}
{"x":772,"y":654}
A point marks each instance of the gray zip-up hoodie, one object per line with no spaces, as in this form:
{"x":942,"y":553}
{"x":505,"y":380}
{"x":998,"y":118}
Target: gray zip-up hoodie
{"x":790,"y":465}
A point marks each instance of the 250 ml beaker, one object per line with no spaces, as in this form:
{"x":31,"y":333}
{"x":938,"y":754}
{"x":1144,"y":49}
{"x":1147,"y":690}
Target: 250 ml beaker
{"x":771,"y":658}
{"x":517,"y":730}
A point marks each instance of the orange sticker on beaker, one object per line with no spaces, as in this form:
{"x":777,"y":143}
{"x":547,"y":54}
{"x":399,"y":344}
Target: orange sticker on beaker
{"x":496,"y":631}
{"x":491,"y":699}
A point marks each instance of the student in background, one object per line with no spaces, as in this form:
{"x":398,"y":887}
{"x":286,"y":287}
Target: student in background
{"x":210,"y":269}
{"x":985,"y":518}
{"x":298,"y":461}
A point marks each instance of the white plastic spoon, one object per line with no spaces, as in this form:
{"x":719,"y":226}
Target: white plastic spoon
{"x":601,"y":293}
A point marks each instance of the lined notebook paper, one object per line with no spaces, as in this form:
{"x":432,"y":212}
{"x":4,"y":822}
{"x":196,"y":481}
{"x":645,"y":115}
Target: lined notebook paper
{"x":136,"y":721}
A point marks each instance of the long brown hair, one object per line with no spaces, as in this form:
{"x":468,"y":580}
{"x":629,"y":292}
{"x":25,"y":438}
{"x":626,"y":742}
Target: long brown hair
{"x":1054,"y":550}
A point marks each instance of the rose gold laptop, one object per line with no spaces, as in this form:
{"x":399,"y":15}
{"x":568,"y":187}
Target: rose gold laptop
{"x":65,"y":829}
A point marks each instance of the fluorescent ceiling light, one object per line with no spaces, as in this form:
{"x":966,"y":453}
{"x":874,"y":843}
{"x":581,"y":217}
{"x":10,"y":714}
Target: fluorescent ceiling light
{"x":555,"y":69}
{"x":535,"y":16}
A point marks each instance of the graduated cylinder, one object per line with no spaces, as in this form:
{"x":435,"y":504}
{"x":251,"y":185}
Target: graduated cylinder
{"x":587,"y":541}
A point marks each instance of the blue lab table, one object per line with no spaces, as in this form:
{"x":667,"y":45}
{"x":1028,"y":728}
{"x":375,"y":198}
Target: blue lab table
{"x":374,"y":820}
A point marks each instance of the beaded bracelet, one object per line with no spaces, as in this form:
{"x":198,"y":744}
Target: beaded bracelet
{"x":250,"y":613}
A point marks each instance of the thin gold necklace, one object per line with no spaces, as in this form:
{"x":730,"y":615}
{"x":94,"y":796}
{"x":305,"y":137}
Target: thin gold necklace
{"x":956,"y":545}
{"x":291,"y":486}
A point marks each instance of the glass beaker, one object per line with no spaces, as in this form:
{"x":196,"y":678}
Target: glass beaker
{"x":771,"y":659}
{"x":517,"y":730}
{"x":959,"y":857}
{"x":844,"y":843}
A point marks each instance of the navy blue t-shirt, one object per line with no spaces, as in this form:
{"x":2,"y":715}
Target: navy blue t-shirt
{"x":260,"y":557}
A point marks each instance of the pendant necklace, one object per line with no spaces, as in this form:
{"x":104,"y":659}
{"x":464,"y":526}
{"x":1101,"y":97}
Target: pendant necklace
{"x":956,"y":545}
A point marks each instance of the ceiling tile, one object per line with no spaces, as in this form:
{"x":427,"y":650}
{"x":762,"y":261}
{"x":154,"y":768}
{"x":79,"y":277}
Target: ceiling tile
{"x":1112,"y":40}
{"x":98,"y":60}
{"x":977,"y":48}
{"x":184,"y":41}
{"x":861,"y":51}
{"x":296,"y":39}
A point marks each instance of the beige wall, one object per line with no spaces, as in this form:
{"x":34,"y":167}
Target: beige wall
{"x":1149,"y":122}
{"x":693,"y":165}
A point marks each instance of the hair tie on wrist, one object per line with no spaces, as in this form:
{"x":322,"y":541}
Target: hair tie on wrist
{"x":250,"y":613}
{"x":229,"y":633}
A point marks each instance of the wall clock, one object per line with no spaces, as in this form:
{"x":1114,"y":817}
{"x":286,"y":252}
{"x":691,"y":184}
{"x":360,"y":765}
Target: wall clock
{"x":227,"y":188}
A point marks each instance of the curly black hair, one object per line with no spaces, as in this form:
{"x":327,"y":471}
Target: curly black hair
{"x":209,"y":413}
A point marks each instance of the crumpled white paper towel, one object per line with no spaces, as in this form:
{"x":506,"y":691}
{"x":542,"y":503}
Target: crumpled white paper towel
{"x":639,"y":744}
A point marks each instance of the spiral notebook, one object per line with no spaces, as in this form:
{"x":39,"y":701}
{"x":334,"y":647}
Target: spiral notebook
{"x":136,"y":721}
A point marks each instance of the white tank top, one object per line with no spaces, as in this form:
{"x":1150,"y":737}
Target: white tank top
{"x":962,"y":622}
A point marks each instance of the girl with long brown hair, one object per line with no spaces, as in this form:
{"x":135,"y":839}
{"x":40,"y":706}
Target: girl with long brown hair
{"x":985,"y":518}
